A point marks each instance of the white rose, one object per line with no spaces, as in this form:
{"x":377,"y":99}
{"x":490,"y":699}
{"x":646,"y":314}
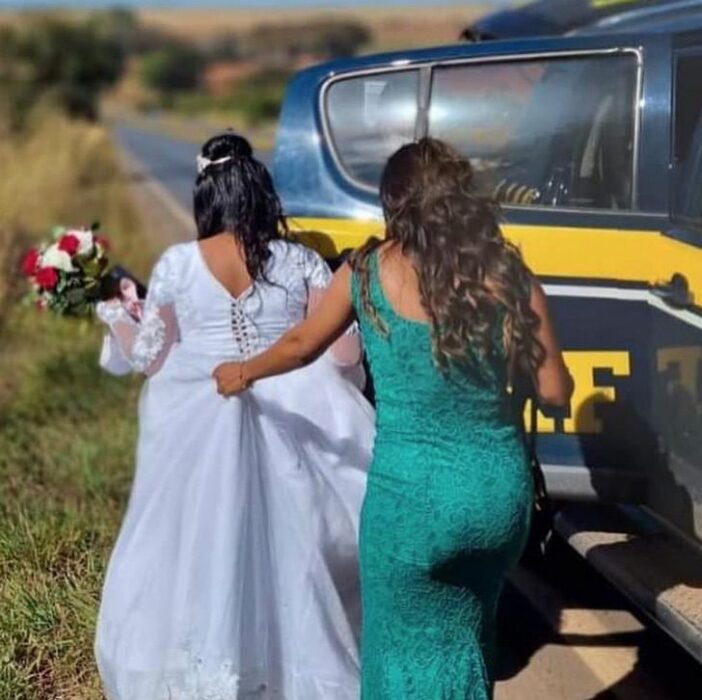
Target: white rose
{"x":87,"y":241}
{"x":53,"y":257}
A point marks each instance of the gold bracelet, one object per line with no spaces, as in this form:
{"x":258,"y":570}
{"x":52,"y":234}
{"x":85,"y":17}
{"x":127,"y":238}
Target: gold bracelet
{"x":245,"y":383}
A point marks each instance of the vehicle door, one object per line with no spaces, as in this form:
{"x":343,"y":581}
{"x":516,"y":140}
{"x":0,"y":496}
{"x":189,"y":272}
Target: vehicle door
{"x":677,"y":322}
{"x":556,"y":137}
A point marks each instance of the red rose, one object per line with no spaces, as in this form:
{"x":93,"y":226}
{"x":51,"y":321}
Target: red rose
{"x":47,"y":277}
{"x":102,"y":242}
{"x":30,"y":263}
{"x":69,"y":244}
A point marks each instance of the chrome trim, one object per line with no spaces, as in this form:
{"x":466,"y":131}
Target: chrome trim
{"x":638,"y":111}
{"x":421,"y":66}
{"x":421,"y":125}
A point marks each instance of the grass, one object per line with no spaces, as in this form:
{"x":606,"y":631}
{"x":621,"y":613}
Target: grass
{"x":392,"y":27}
{"x":58,"y":171}
{"x":67,"y":430}
{"x":253,"y":102}
{"x":252,"y":106}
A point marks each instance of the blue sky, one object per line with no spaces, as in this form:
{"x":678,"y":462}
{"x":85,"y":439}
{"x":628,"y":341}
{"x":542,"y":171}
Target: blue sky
{"x":237,"y":3}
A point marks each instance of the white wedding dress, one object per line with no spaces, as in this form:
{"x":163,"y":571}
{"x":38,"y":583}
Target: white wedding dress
{"x":235,"y":571}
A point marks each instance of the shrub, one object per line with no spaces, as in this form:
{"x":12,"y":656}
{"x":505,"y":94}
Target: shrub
{"x":260,"y":98}
{"x":322,"y":38}
{"x":172,"y":69}
{"x":226,"y":47}
{"x":68,"y":63}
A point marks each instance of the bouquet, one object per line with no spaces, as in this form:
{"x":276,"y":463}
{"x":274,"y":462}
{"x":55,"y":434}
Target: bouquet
{"x":69,"y":273}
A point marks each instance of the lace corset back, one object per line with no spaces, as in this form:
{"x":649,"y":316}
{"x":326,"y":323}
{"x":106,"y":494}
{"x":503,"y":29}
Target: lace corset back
{"x":187,"y":303}
{"x":252,"y":321}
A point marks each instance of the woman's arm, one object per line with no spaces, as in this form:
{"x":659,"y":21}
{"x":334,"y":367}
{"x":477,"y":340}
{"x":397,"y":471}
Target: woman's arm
{"x":554,"y":385}
{"x":143,"y":334}
{"x":347,"y":350}
{"x":300,"y":345}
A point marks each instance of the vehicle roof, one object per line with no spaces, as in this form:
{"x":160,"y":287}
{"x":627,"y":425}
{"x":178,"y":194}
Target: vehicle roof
{"x":605,"y":36}
{"x":558,"y":17}
{"x":677,"y":18}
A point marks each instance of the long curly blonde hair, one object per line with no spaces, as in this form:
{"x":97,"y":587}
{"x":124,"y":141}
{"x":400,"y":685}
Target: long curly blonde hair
{"x":470,"y":277}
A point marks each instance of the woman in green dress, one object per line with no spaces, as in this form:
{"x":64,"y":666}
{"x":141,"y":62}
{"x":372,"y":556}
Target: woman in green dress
{"x":447,"y":310}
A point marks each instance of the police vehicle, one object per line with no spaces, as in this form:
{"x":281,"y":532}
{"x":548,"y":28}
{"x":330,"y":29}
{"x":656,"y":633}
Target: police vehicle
{"x":593,"y":144}
{"x":549,"y":17}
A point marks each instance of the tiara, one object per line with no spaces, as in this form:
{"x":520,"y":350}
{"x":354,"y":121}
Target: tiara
{"x":203,"y":162}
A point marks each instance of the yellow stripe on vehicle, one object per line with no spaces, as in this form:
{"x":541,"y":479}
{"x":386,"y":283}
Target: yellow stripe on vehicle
{"x":555,"y":251}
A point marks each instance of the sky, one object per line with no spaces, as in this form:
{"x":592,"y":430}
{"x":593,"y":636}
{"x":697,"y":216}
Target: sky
{"x":237,"y":3}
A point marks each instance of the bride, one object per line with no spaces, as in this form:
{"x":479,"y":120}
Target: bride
{"x":235,"y":574}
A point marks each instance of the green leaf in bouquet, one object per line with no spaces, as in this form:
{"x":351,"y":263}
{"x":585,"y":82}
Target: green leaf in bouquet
{"x":81,"y":261}
{"x":57,"y":304}
{"x":82,"y":310}
{"x":58,"y":231}
{"x":94,"y":266}
{"x":95,"y":226}
{"x":74,"y":297}
{"x":92,"y":293}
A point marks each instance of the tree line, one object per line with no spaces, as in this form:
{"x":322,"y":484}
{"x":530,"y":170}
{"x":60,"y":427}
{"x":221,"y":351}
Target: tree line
{"x":70,"y":63}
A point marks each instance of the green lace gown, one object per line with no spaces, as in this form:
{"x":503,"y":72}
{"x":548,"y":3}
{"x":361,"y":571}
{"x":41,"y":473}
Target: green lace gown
{"x":445,"y":516}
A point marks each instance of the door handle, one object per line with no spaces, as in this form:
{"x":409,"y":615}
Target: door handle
{"x":676,"y":292}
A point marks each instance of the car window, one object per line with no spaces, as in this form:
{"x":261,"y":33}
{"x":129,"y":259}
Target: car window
{"x":369,"y":118}
{"x":687,"y":148}
{"x":546,"y":132}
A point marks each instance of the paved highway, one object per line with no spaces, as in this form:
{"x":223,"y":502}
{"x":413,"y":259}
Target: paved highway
{"x":168,"y":160}
{"x":566,"y":634}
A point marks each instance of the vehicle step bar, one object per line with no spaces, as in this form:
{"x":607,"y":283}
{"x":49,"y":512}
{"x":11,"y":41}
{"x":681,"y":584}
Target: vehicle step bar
{"x":658,"y":571}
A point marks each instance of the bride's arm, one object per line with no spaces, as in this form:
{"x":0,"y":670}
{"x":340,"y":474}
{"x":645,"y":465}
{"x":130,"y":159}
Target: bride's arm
{"x":142,"y":345}
{"x":300,"y":345}
{"x":140,"y":337}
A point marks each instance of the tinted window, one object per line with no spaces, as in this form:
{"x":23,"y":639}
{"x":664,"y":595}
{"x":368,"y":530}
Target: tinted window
{"x":687,"y":154}
{"x":554,"y":132}
{"x":370,"y":117}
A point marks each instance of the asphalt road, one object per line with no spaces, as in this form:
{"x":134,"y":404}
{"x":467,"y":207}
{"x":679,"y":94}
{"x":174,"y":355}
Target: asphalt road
{"x":168,"y":160}
{"x":565,"y":633}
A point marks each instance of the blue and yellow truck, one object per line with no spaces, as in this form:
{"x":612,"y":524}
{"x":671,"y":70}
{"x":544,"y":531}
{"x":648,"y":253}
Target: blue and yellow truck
{"x":592,"y":141}
{"x":549,"y":17}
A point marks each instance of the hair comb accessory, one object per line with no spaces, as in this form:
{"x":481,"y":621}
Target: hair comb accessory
{"x":203,"y":162}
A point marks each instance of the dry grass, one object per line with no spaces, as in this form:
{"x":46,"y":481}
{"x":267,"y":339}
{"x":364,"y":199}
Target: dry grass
{"x":393,"y":27}
{"x":66,"y":429}
{"x":397,"y":27}
{"x":58,"y":172}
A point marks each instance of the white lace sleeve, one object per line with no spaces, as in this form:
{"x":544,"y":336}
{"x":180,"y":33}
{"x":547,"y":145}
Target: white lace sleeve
{"x":112,"y":357}
{"x":144,"y":344}
{"x":317,"y":273}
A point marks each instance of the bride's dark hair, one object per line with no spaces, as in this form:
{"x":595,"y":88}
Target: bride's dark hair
{"x":465,"y":267}
{"x":237,"y":196}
